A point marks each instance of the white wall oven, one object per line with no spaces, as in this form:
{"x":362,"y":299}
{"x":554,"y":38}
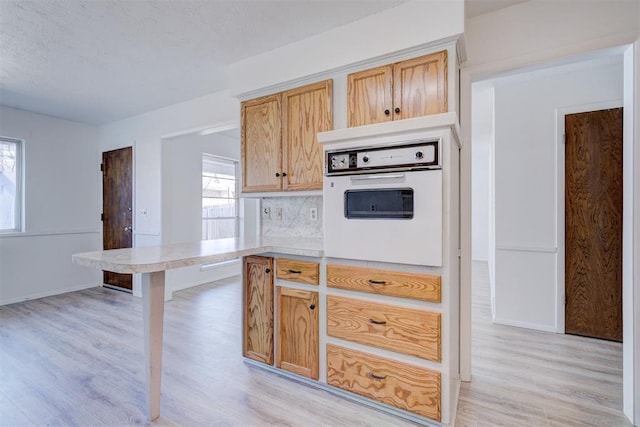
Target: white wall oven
{"x":385,"y":203}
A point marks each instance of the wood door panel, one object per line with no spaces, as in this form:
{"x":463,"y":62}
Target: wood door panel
{"x":394,"y":283}
{"x":117,"y":203}
{"x":398,"y":384}
{"x":258,"y":308}
{"x":261,"y":142}
{"x":306,"y":111}
{"x":369,"y":95}
{"x":593,"y":224}
{"x":420,"y":86}
{"x":298,"y":332}
{"x":403,"y":330}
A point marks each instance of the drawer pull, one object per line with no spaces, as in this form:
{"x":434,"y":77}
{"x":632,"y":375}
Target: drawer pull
{"x":378,"y":322}
{"x":376,"y":377}
{"x":377,"y":282}
{"x":294,"y":271}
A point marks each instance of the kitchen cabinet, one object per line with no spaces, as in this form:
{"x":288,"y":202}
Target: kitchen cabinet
{"x":258,"y":308}
{"x":298,"y":271}
{"x":279,"y":148}
{"x":395,"y":383}
{"x":425,"y":287}
{"x":403,"y":330}
{"x":412,"y":88}
{"x":297,"y":342}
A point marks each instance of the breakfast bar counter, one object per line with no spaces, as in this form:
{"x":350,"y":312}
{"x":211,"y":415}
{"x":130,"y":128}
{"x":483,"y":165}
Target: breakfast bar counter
{"x":153,"y":261}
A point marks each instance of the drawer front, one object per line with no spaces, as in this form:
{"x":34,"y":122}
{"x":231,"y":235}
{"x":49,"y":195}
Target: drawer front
{"x":388,"y":381}
{"x":402,"y":330}
{"x":298,"y":271}
{"x":417,"y":286}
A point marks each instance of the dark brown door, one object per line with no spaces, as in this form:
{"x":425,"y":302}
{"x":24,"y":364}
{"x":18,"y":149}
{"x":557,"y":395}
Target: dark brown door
{"x":116,"y":208}
{"x":593,"y":224}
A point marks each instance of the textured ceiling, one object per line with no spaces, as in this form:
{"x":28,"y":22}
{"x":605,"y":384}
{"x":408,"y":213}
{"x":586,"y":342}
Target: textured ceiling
{"x":98,"y":61}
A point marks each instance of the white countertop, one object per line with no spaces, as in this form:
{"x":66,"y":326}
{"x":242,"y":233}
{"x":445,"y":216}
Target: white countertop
{"x":166,"y":257}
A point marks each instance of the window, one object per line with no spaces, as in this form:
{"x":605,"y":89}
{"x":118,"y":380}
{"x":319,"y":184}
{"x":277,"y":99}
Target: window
{"x":219,"y":197}
{"x":10,"y":185}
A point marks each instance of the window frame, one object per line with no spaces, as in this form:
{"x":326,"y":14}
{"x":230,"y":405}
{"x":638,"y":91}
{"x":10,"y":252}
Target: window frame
{"x":18,"y":213}
{"x":236,"y":169}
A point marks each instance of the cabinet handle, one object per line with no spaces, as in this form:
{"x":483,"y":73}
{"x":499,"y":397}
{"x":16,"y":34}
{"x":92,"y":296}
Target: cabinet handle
{"x":376,"y":377}
{"x":387,"y":112}
{"x":268,"y":270}
{"x":377,"y":282}
{"x":378,"y":322}
{"x":397,"y":110}
{"x":312,"y":306}
{"x":284,"y":174}
{"x":277,"y":174}
{"x":295,"y":271}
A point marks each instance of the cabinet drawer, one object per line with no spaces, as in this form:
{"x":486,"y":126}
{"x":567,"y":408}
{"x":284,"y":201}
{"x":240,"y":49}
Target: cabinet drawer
{"x":394,"y":283}
{"x":388,"y":381}
{"x":402,"y":330}
{"x":298,"y":271}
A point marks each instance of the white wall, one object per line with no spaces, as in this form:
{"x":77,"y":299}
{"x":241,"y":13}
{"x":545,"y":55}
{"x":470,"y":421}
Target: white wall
{"x":482,"y":134}
{"x":145,"y":132}
{"x":403,"y":27}
{"x":62,"y":207}
{"x":527,"y":183}
{"x":182,"y":202}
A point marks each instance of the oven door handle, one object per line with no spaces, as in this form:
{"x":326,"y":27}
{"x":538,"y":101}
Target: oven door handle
{"x":378,"y":176}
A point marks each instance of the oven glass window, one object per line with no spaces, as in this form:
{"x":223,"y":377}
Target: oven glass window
{"x":395,"y":203}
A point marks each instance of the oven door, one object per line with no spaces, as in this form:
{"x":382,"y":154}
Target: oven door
{"x":387,"y":217}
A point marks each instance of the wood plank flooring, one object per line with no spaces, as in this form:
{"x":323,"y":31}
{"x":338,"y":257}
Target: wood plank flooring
{"x":522,"y":377}
{"x":76,"y":359}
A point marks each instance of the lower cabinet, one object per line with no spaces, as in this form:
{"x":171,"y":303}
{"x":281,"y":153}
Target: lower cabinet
{"x":398,"y":384}
{"x":258,"y":308}
{"x":297,"y":342}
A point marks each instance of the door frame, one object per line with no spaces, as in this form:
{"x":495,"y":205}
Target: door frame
{"x":560,"y":199}
{"x":630,"y":48}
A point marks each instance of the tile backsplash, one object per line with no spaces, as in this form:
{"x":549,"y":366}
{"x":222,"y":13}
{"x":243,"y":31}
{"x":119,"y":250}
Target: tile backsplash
{"x":296,"y":216}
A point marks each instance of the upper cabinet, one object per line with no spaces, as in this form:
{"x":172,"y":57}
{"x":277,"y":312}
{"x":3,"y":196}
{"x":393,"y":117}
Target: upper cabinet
{"x":279,"y":147}
{"x":412,"y":88}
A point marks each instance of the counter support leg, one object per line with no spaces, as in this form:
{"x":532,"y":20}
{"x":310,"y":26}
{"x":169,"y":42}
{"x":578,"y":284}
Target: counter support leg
{"x":153,"y":313}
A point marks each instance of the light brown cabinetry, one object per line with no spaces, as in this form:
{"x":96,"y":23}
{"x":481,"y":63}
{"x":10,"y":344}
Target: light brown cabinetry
{"x":298,"y":271}
{"x":279,"y":148}
{"x":412,"y":88}
{"x":297,"y":342}
{"x":258,"y":308}
{"x":403,"y":330}
{"x":393,"y":283}
{"x":388,"y":381}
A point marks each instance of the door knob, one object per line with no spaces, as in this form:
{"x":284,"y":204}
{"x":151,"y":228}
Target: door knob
{"x":128,"y":228}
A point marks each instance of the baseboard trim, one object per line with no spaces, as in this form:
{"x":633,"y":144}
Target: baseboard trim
{"x":525,"y":325}
{"x":48,"y":293}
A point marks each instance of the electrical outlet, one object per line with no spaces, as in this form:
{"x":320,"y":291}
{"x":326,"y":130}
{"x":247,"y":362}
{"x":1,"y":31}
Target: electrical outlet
{"x":277,"y":214}
{"x":313,"y":214}
{"x":266,"y":213}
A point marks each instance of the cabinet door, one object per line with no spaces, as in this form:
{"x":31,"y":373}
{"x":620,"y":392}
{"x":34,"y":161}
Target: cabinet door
{"x":258,"y":308}
{"x":297,"y":348}
{"x":370,"y":96}
{"x":306,"y":111}
{"x":420,"y":86}
{"x":261,"y":142}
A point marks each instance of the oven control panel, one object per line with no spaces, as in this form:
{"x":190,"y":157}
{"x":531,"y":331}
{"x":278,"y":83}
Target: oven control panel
{"x":416,"y":156}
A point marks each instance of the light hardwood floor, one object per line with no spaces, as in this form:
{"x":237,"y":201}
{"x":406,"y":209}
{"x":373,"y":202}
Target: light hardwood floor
{"x":76,"y":359}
